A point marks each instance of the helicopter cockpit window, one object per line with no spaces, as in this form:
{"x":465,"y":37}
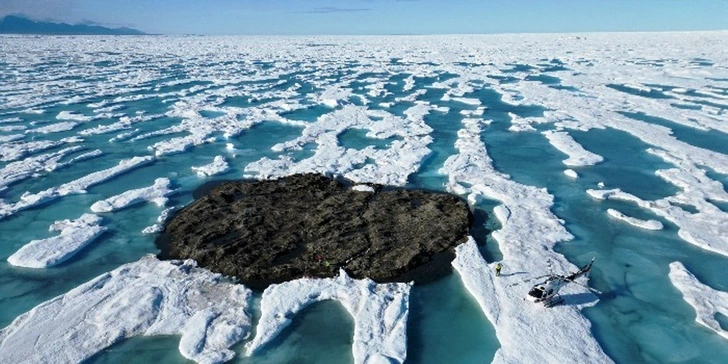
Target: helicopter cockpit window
{"x":536,"y":292}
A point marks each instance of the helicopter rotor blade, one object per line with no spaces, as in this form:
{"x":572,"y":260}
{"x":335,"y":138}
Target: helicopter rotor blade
{"x":528,"y":280}
{"x":594,"y":290}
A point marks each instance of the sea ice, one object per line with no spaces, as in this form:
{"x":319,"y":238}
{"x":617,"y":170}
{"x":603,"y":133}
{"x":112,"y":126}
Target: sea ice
{"x":363,"y":188}
{"x":706,"y":300}
{"x":571,"y":173}
{"x":156,"y":193}
{"x":53,"y":128}
{"x":379,"y":310}
{"x":218,"y":165}
{"x":11,"y":138}
{"x":75,"y":235}
{"x":578,"y":156}
{"x":644,"y":224}
{"x":159,"y":227}
{"x":389,"y":166}
{"x":19,"y":170}
{"x":704,"y":228}
{"x":12,"y":151}
{"x":78,"y":186}
{"x":68,"y":115}
{"x":144,"y":298}
{"x":526,"y":331}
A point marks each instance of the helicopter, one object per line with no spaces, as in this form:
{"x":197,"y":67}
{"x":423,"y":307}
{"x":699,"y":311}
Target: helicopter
{"x":547,"y":291}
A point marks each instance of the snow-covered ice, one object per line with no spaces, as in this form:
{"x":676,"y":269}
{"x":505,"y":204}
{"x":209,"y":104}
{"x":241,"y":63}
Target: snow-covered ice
{"x":666,"y":91}
{"x":524,"y":329}
{"x":156,"y":193}
{"x":527,"y":331}
{"x":379,"y":310}
{"x":705,"y":228}
{"x":578,"y":156}
{"x":706,"y":300}
{"x":78,"y":186}
{"x":74,"y":236}
{"x":144,"y":298}
{"x":571,"y":173}
{"x":644,"y":224}
{"x":219,"y":165}
{"x":53,"y":128}
{"x":391,"y":166}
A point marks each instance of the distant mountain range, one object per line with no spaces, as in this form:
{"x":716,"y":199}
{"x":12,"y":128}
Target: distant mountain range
{"x":19,"y":25}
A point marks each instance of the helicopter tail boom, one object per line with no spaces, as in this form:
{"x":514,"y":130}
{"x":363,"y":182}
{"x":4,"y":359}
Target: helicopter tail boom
{"x":581,"y":272}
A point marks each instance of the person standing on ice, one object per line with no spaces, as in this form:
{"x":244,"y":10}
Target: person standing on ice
{"x":498,"y":268}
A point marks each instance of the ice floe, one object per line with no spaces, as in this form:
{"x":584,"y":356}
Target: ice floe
{"x":219,"y":165}
{"x":379,"y":310}
{"x":578,"y":156}
{"x":527,"y":331}
{"x":54,"y":128}
{"x":69,"y":115}
{"x":15,"y":150}
{"x":705,"y":228}
{"x":144,"y":298}
{"x":706,"y":300}
{"x":390,"y":166}
{"x":529,"y":232}
{"x":643,"y":224}
{"x":571,"y":173}
{"x":74,"y":236}
{"x":78,"y":186}
{"x":32,"y":166}
{"x":156,"y":193}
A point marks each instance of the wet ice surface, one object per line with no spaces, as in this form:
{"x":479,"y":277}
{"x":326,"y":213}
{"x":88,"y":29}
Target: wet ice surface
{"x":148,"y":297}
{"x":606,"y":145}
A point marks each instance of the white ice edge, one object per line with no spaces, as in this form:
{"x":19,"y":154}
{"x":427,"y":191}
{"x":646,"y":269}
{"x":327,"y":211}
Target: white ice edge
{"x":78,"y":186}
{"x":144,"y":298}
{"x":74,"y":236}
{"x":156,"y":193}
{"x":705,"y":300}
{"x":379,"y":311}
{"x":705,"y":228}
{"x":219,"y":165}
{"x":578,"y":156}
{"x":643,"y":224}
{"x":363,"y":188}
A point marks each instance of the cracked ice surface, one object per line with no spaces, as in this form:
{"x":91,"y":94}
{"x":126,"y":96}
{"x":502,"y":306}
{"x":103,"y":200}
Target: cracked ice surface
{"x":379,"y":311}
{"x":145,"y":298}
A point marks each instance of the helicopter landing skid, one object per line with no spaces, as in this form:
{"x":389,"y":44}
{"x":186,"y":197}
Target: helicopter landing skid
{"x":553,"y":301}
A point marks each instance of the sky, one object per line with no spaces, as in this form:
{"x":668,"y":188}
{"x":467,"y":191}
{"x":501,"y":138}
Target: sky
{"x":312,"y":17}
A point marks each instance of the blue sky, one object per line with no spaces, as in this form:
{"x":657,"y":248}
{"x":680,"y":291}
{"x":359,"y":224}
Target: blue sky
{"x":380,"y":16}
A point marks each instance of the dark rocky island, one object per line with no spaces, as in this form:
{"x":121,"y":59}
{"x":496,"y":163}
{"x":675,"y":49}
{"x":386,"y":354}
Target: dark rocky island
{"x":265,"y":232}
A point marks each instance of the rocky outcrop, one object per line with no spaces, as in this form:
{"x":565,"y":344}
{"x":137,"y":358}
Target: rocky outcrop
{"x":267,"y":232}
